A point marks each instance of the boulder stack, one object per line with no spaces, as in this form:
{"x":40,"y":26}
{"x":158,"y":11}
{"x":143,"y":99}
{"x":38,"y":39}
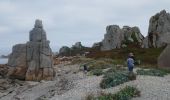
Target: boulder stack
{"x":116,"y":37}
{"x":75,"y":50}
{"x":159,"y":24}
{"x":32,"y":61}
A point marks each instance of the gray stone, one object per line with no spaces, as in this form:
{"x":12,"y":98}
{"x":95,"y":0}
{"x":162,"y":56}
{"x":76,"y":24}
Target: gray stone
{"x":77,"y":45}
{"x":145,"y":42}
{"x":132,"y":34}
{"x":165,"y":38}
{"x":163,"y":59}
{"x":38,"y":34}
{"x":159,"y":24}
{"x":38,"y":24}
{"x":33,"y":60}
{"x":75,"y":50}
{"x":115,"y":37}
{"x":64,"y":51}
{"x":18,"y":56}
{"x":17,"y":62}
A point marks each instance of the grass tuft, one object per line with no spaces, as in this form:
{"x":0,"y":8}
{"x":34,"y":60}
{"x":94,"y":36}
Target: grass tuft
{"x":114,"y":79}
{"x":126,"y":93}
{"x":152,"y":72}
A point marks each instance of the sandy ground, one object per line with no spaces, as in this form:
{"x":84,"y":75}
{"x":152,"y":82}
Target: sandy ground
{"x":72,"y":84}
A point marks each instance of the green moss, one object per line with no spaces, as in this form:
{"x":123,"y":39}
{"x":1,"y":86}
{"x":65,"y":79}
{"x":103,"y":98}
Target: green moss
{"x":114,"y":79}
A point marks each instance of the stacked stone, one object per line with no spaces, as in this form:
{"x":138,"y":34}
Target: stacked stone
{"x":32,"y":61}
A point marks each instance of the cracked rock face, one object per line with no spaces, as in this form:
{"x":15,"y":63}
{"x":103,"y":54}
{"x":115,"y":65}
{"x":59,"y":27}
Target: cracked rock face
{"x":32,"y":61}
{"x":116,"y":37}
{"x":112,"y":38}
{"x":159,"y":25}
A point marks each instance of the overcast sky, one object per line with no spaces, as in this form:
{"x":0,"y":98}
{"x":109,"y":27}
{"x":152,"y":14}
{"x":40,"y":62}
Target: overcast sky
{"x":69,"y":21}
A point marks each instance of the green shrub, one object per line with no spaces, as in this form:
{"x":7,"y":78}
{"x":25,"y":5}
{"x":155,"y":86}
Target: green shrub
{"x":113,"y":79}
{"x":151,"y":72}
{"x":124,"y":94}
{"x":81,"y":60}
{"x":97,"y":72}
{"x":99,"y":64}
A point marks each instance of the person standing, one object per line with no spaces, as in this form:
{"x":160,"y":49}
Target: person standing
{"x":130,"y":62}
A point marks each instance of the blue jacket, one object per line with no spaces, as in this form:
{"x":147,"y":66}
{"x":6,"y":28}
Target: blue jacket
{"x":130,"y":62}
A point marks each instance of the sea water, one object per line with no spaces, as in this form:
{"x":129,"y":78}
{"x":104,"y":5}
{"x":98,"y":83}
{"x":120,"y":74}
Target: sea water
{"x":3,"y":60}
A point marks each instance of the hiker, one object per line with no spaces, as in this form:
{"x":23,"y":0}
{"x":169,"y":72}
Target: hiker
{"x":130,"y":62}
{"x":85,"y":68}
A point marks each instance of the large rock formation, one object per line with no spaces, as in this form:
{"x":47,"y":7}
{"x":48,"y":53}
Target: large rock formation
{"x":163,"y":59}
{"x":76,"y":49}
{"x":159,"y":24}
{"x":113,"y":38}
{"x":116,"y":37}
{"x":97,"y":45}
{"x":32,"y":61}
{"x":64,"y":51}
{"x":77,"y":45}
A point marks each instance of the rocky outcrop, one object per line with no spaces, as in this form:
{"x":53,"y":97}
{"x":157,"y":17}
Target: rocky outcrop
{"x":76,"y":49}
{"x":163,"y":59}
{"x":77,"y":45}
{"x":132,"y":34}
{"x":64,"y":51}
{"x":116,"y":37}
{"x":113,"y":38}
{"x":159,"y":24}
{"x":17,"y":62}
{"x":32,"y":61}
{"x":97,"y":45}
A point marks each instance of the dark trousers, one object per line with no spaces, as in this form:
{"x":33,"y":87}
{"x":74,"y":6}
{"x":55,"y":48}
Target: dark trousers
{"x":130,"y":69}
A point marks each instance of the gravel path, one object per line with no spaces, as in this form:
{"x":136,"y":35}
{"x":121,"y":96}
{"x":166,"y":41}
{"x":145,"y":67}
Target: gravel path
{"x":151,"y":87}
{"x":73,"y":84}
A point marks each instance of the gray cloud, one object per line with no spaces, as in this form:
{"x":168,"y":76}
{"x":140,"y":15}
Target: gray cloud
{"x":68,"y":21}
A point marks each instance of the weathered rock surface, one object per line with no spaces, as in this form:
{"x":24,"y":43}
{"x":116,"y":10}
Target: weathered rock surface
{"x":159,"y":24}
{"x":112,"y":38}
{"x":132,"y":34}
{"x":32,"y":61}
{"x":77,"y":45}
{"x":163,"y":59}
{"x":17,"y":62}
{"x":116,"y":37}
{"x":145,"y":43}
